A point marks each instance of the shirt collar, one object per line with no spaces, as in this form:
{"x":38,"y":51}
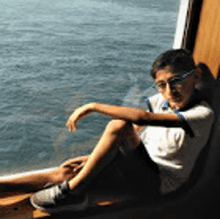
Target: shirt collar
{"x":193,"y":102}
{"x":165,"y":105}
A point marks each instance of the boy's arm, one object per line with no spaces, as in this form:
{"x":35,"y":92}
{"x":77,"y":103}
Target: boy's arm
{"x":136,"y":116}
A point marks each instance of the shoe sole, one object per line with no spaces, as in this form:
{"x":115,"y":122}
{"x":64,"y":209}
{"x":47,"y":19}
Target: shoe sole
{"x":70,"y":207}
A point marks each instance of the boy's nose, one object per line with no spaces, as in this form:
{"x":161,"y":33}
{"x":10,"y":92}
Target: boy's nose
{"x":170,"y":89}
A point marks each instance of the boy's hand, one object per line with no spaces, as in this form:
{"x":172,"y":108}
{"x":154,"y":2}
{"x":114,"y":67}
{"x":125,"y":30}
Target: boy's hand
{"x":78,"y":114}
{"x":76,"y":164}
{"x":68,"y":169}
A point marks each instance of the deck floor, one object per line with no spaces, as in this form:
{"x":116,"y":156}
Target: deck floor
{"x":193,"y":206}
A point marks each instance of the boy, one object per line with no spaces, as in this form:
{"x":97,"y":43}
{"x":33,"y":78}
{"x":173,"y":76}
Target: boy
{"x":162,"y":155}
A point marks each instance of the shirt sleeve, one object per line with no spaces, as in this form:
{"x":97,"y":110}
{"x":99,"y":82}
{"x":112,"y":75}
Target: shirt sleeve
{"x":192,"y":137}
{"x":198,"y":121}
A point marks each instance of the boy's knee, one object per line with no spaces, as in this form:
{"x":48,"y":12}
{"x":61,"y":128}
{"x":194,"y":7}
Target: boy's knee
{"x":118,"y":126}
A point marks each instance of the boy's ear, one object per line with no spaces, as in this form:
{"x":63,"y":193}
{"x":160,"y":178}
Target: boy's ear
{"x":197,"y":75}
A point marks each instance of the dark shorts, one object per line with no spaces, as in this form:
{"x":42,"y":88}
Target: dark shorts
{"x":131,"y":171}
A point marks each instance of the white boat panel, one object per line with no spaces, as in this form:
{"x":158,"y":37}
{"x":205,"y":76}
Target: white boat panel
{"x":181,"y":22}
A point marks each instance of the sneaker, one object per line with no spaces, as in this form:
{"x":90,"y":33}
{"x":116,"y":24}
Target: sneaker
{"x":58,"y":198}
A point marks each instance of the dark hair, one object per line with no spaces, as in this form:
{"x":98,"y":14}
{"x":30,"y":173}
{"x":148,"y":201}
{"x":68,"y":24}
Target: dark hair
{"x":177,"y":59}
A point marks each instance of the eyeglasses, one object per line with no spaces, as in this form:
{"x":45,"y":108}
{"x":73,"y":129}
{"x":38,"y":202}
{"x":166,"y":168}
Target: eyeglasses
{"x":174,"y":82}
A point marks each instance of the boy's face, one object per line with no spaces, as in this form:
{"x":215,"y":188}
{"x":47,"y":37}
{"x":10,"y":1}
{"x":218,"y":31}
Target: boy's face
{"x":180,"y":95}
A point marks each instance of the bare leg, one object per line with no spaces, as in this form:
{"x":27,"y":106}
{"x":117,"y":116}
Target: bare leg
{"x":34,"y":181}
{"x":117,"y":132}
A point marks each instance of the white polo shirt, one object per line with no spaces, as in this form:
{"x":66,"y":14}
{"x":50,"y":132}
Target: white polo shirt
{"x":175,"y":150}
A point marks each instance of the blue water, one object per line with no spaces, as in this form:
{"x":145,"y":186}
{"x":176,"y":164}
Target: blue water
{"x":57,"y":55}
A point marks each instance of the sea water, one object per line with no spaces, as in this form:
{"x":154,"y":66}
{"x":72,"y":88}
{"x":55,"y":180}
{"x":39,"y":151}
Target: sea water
{"x":58,"y":55}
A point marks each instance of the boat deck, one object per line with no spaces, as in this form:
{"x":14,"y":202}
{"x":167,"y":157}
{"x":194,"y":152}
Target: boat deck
{"x":194,"y":205}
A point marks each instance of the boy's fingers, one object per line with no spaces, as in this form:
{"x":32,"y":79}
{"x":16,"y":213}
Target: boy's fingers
{"x":74,"y":161}
{"x":78,"y":168}
{"x":71,"y":124}
{"x":73,"y":127}
{"x":71,"y":167}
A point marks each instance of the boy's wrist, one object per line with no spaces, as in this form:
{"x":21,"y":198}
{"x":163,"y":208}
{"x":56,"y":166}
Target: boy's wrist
{"x":92,"y":107}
